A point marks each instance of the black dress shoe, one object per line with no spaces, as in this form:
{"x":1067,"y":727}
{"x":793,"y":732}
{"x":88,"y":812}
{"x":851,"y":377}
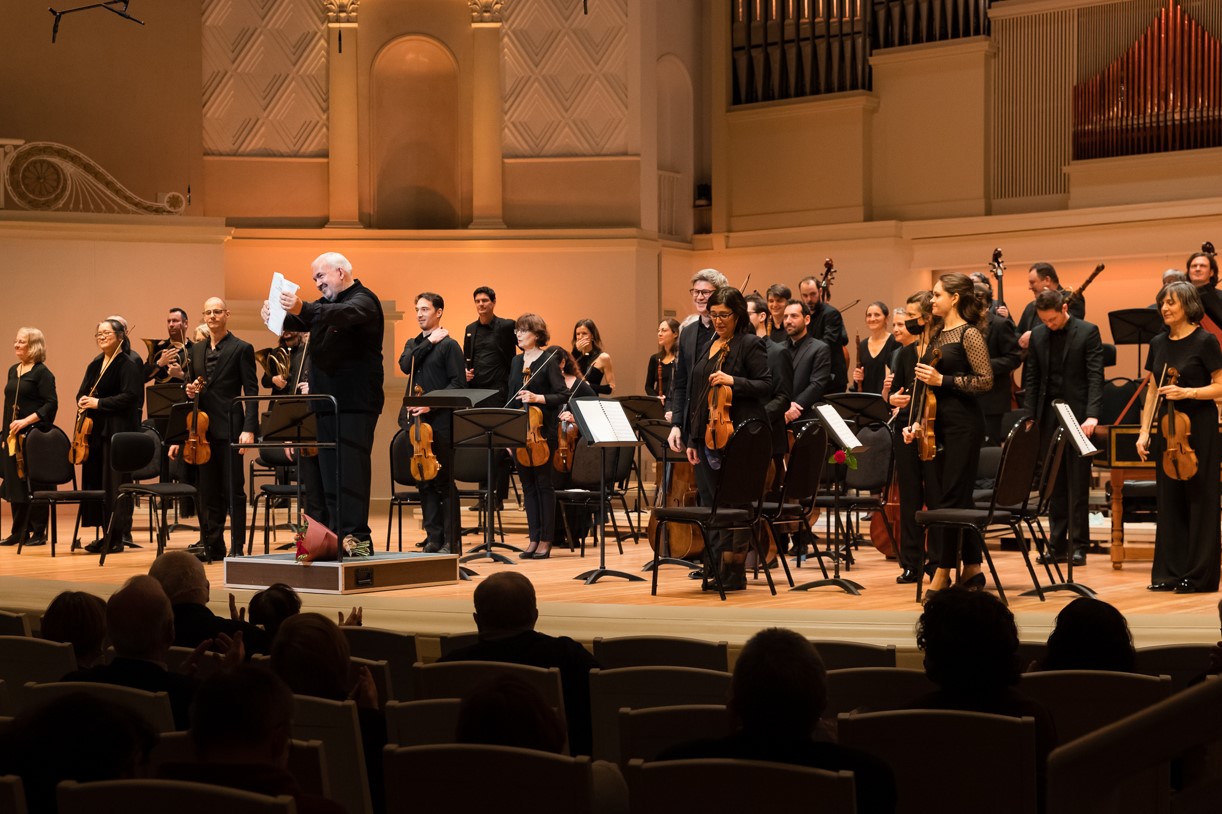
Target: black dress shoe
{"x":36,"y":541}
{"x":1185,"y":587}
{"x":1049,"y":559}
{"x":907,"y":577}
{"x":217,"y":556}
{"x":973,"y":583}
{"x":1161,"y":586}
{"x":10,"y":540}
{"x":96,"y":548}
{"x":526,"y":555}
{"x":195,"y":548}
{"x":1079,"y":558}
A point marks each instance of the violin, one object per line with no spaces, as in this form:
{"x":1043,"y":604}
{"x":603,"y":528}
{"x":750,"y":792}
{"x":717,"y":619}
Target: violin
{"x":196,"y":450}
{"x":423,"y":465}
{"x":536,"y":452}
{"x":566,"y":443}
{"x":1179,"y":459}
{"x":721,"y":397}
{"x":79,"y":453}
{"x":927,"y":442}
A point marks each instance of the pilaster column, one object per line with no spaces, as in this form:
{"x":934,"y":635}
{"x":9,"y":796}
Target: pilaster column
{"x":342,"y":164}
{"x":487,"y":121}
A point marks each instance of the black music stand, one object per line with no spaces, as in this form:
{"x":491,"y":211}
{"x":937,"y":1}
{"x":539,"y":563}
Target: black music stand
{"x":638,"y":409}
{"x":656,"y":436}
{"x":490,"y":429}
{"x":161,"y":397}
{"x":1135,"y":326}
{"x":453,"y":400}
{"x":604,"y":425}
{"x":855,"y":407}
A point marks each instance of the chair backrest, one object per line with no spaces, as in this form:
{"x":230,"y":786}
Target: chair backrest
{"x":1116,"y":394}
{"x":440,"y":778}
{"x":397,"y":649}
{"x":1031,"y":652}
{"x":12,"y":795}
{"x":400,"y":454}
{"x":736,"y":785}
{"x":335,"y":723}
{"x":6,"y":705}
{"x":624,"y":458}
{"x":422,"y":723}
{"x":1112,"y":696}
{"x":14,"y":624}
{"x":46,"y":457}
{"x":874,"y":462}
{"x":586,"y":469}
{"x":471,"y":465}
{"x":165,"y":795}
{"x":806,"y":463}
{"x":131,"y":451}
{"x":744,"y":465}
{"x":276,"y":457}
{"x":1050,"y":471}
{"x":454,"y":679}
{"x":306,"y":761}
{"x":152,"y":469}
{"x":838,"y":655}
{"x":24,"y":659}
{"x":207,"y":663}
{"x":642,"y":687}
{"x":873,"y":689}
{"x":153,"y":707}
{"x":1019,"y":455}
{"x":646,"y":733}
{"x":1182,"y":662}
{"x":661,"y":651}
{"x":383,"y":679}
{"x":450,"y":642}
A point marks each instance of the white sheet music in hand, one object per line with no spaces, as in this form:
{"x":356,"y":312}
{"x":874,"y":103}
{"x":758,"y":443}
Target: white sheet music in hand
{"x":603,"y":422}
{"x":276,"y":312}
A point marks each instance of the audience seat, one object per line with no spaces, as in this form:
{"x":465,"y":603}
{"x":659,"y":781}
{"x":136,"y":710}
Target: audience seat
{"x":153,"y":707}
{"x":176,"y":661}
{"x":422,"y":723}
{"x":6,"y":704}
{"x":12,"y":795}
{"x":450,"y":642}
{"x":873,"y":689}
{"x":736,"y":785}
{"x":114,"y":796}
{"x":646,"y":733}
{"x":335,"y":723}
{"x":306,"y":762}
{"x":14,"y":624}
{"x":396,"y":649}
{"x":838,"y":655}
{"x":454,"y":679}
{"x":24,"y":659}
{"x":383,"y":679}
{"x":661,"y":651}
{"x":1182,"y":662}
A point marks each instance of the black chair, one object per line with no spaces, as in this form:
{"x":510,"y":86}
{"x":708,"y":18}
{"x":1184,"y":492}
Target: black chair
{"x":471,"y":466}
{"x":1019,"y":455}
{"x":862,"y":488}
{"x":46,"y":463}
{"x":1117,"y":393}
{"x":400,"y":475}
{"x":736,"y":499}
{"x":798,"y":489}
{"x":274,"y":459}
{"x":132,"y":453}
{"x":1046,"y":483}
{"x":583,"y":490}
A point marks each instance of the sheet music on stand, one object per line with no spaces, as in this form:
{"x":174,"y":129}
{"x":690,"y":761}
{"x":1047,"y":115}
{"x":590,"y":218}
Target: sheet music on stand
{"x":1082,"y":444}
{"x":604,"y":423}
{"x":841,"y":433}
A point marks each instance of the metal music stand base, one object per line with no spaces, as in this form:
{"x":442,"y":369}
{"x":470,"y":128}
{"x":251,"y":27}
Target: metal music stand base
{"x":835,"y":581}
{"x":592,"y":576}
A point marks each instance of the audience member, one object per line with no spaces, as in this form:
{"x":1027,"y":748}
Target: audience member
{"x":79,"y":619}
{"x":271,"y":606}
{"x":182,"y":576}
{"x":506,"y":711}
{"x":777,"y":695}
{"x":505,"y":614}
{"x":241,"y":723}
{"x":141,"y":627}
{"x":74,"y":737}
{"x":1090,"y":634}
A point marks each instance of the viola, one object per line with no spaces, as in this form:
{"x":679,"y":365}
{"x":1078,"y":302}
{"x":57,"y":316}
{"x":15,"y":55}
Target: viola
{"x":423,"y":465}
{"x":80,"y":438}
{"x":566,"y":444}
{"x":1179,"y":459}
{"x":927,"y":442}
{"x":196,"y":450}
{"x":720,"y":399}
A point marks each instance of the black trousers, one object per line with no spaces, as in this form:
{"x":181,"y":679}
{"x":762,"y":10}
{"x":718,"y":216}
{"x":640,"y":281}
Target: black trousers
{"x":222,"y":488}
{"x":1074,"y":477}
{"x":347,"y":503}
{"x":438,"y":496}
{"x":539,"y":495}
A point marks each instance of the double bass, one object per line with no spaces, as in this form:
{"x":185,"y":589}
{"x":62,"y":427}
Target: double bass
{"x":997,"y":268}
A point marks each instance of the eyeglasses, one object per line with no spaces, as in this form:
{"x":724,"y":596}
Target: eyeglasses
{"x":214,"y":312}
{"x":721,"y":316}
{"x":103,"y":334}
{"x":700,"y":292}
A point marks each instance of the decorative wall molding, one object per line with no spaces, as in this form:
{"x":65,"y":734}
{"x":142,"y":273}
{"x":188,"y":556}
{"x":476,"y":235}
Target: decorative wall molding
{"x":565,"y":78}
{"x":486,"y":11}
{"x":45,"y":176}
{"x":265,"y":76}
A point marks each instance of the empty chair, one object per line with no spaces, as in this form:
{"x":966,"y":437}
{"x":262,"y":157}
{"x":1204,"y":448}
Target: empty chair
{"x":153,"y":707}
{"x":642,"y":687}
{"x":14,"y":624}
{"x":995,"y":756}
{"x":306,"y":761}
{"x":134,"y":454}
{"x":1182,"y":662}
{"x":842,"y":655}
{"x":112,"y":796}
{"x":736,"y":785}
{"x":12,"y":795}
{"x":24,"y":659}
{"x":872,"y":689}
{"x":660,"y":651}
{"x":46,"y":459}
{"x":422,"y":723}
{"x":397,"y":649}
{"x":450,"y":642}
{"x":335,"y":723}
{"x":646,"y":733}
{"x":454,"y":679}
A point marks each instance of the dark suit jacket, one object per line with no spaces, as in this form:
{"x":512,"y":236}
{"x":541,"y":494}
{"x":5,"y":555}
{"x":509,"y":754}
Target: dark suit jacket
{"x":148,"y":676}
{"x":1081,"y":369}
{"x":1005,"y":356}
{"x":812,"y":372}
{"x":685,"y":360}
{"x":781,"y":369}
{"x":827,"y":325}
{"x":233,"y":376}
{"x":1030,"y":319}
{"x":747,"y":362}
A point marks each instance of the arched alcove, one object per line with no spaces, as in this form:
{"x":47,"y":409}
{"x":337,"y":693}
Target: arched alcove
{"x":676,"y":147}
{"x":416,"y":136}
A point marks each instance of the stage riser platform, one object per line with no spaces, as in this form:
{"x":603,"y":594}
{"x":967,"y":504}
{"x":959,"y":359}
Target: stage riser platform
{"x":381,"y":572}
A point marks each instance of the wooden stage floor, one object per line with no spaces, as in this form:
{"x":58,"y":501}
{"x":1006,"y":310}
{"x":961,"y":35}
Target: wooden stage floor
{"x":884,"y":613}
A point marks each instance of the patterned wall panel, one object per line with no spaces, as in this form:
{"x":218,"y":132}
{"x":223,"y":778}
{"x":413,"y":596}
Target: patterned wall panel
{"x":566,"y":78}
{"x":265,"y":78}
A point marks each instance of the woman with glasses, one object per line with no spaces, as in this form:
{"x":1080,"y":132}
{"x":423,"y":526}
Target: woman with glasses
{"x":737,"y":358}
{"x":110,"y":396}
{"x":29,"y":401}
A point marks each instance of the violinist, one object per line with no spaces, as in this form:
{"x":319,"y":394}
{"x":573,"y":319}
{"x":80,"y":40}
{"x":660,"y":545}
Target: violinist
{"x":434,"y":361}
{"x":29,"y":401}
{"x":744,"y":369}
{"x":660,"y":374}
{"x":1065,"y":361}
{"x":1186,"y":544}
{"x":778,"y":297}
{"x":109,"y":395}
{"x":593,"y":362}
{"x":696,"y":333}
{"x":899,"y":332}
{"x":167,"y":356}
{"x":827,"y":325}
{"x":874,"y":351}
{"x":962,"y":373}
{"x":567,"y":434}
{"x":226,"y":366}
{"x":917,"y":480}
{"x":542,"y":387}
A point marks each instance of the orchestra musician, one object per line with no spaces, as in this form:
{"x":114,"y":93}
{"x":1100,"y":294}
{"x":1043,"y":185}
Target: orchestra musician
{"x":902,"y":340}
{"x":110,"y":395}
{"x":489,"y":344}
{"x":292,"y":350}
{"x":226,"y":364}
{"x":696,"y":333}
{"x":29,"y":401}
{"x":812,"y":363}
{"x":535,"y":378}
{"x":1065,"y":361}
{"x":434,"y":361}
{"x":575,"y":387}
{"x":593,"y":362}
{"x":827,"y":325}
{"x":660,"y":374}
{"x":962,"y":373}
{"x":1005,"y":356}
{"x":1203,"y":274}
{"x":346,"y":326}
{"x":917,"y":480}
{"x":1186,"y":544}
{"x":778,"y":297}
{"x":780,"y":367}
{"x":167,"y":356}
{"x":1042,"y":277}
{"x":744,"y":369}
{"x":875,"y":350}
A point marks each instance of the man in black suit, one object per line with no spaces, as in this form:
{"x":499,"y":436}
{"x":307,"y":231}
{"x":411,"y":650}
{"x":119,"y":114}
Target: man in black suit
{"x":1043,"y":277}
{"x":489,"y":345}
{"x":1005,"y":357}
{"x":695,"y":335}
{"x":827,"y":326}
{"x":1065,"y":362}
{"x":781,"y":368}
{"x":812,"y":364}
{"x":224,"y":367}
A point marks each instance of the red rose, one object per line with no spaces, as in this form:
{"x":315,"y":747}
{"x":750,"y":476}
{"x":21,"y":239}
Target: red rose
{"x":839,"y":456}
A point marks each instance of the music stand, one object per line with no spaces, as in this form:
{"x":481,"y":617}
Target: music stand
{"x":638,"y":409}
{"x":604,"y":424}
{"x":491,"y":429}
{"x":161,"y":397}
{"x":857,"y":406}
{"x":1135,"y":326}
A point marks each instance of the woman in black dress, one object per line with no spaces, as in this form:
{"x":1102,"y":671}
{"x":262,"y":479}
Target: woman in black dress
{"x":962,"y":372}
{"x":1186,"y":542}
{"x":874,"y":352}
{"x":593,"y":362}
{"x":29,"y":401}
{"x":660,"y":374}
{"x":535,"y":379}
